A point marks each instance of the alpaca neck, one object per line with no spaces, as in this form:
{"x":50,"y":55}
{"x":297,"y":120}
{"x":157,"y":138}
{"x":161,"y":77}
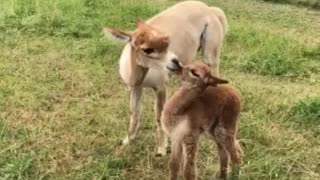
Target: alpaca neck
{"x":138,"y":72}
{"x":182,"y":99}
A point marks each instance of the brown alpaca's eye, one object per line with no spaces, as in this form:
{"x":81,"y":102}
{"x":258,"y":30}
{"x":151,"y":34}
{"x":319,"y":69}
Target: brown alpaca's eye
{"x":148,"y":50}
{"x":194,"y":73}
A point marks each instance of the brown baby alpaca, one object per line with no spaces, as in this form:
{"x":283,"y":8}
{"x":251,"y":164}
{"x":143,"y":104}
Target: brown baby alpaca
{"x":201,"y":105}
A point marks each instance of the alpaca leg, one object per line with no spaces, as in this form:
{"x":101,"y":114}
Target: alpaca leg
{"x":235,"y":152}
{"x":212,"y":42}
{"x":219,"y":137}
{"x":239,"y":149}
{"x":224,"y":159}
{"x":175,"y":159}
{"x":190,"y":147}
{"x":233,"y":148}
{"x":162,"y":139}
{"x":135,"y":110}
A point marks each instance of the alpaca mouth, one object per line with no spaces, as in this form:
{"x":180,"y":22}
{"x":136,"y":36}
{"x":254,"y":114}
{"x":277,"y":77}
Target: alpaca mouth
{"x":174,"y":65}
{"x":170,"y":68}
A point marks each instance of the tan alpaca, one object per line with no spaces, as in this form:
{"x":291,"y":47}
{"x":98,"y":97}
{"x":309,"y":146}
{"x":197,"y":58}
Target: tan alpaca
{"x":176,"y":33}
{"x":201,"y":105}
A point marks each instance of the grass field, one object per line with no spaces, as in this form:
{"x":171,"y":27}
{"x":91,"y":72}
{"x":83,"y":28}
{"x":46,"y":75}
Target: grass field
{"x":315,"y":4}
{"x":63,"y":107}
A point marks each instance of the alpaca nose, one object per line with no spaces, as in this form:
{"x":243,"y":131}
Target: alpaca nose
{"x":175,"y":60}
{"x":174,"y":65}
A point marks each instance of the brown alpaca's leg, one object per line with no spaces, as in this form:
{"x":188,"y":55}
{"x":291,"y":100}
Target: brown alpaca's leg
{"x":236,"y":167}
{"x":235,"y":151}
{"x":175,"y":158}
{"x":190,"y":147}
{"x":219,"y":137}
{"x":224,"y":159}
{"x":239,"y":149}
{"x":227,"y":128}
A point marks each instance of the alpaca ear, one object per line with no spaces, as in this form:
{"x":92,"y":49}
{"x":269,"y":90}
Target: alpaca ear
{"x":117,"y":34}
{"x":214,"y":81}
{"x":140,"y":22}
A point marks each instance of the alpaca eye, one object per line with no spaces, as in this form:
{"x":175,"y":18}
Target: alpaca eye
{"x":148,"y":50}
{"x":194,"y":73}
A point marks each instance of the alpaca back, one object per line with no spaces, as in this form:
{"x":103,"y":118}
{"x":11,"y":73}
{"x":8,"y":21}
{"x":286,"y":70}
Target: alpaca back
{"x":214,"y":104}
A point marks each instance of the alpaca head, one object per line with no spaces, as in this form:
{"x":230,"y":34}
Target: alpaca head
{"x":149,"y":45}
{"x":197,"y":74}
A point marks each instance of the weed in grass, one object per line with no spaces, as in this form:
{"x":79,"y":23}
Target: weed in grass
{"x":306,"y":114}
{"x":3,"y":130}
{"x":313,"y":52}
{"x":16,"y":167}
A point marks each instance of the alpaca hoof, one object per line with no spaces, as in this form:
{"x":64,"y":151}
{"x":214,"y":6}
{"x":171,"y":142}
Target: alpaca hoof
{"x":168,"y":150}
{"x":125,"y":141}
{"x":159,"y":155}
{"x":235,"y":173}
{"x":219,"y":176}
{"x":119,"y":143}
{"x":161,"y":152}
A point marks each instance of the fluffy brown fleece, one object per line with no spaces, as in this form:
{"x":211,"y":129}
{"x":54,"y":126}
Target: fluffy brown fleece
{"x":201,"y":105}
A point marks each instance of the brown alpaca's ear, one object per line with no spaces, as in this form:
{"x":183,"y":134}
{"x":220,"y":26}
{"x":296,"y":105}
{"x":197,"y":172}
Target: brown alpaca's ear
{"x":140,"y":22}
{"x":214,"y":81}
{"x":117,"y":34}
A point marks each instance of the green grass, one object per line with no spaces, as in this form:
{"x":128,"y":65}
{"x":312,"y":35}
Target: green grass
{"x":16,"y":167}
{"x":308,"y":109}
{"x":305,"y":114}
{"x":64,"y":108}
{"x":276,"y":55}
{"x":307,"y":3}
